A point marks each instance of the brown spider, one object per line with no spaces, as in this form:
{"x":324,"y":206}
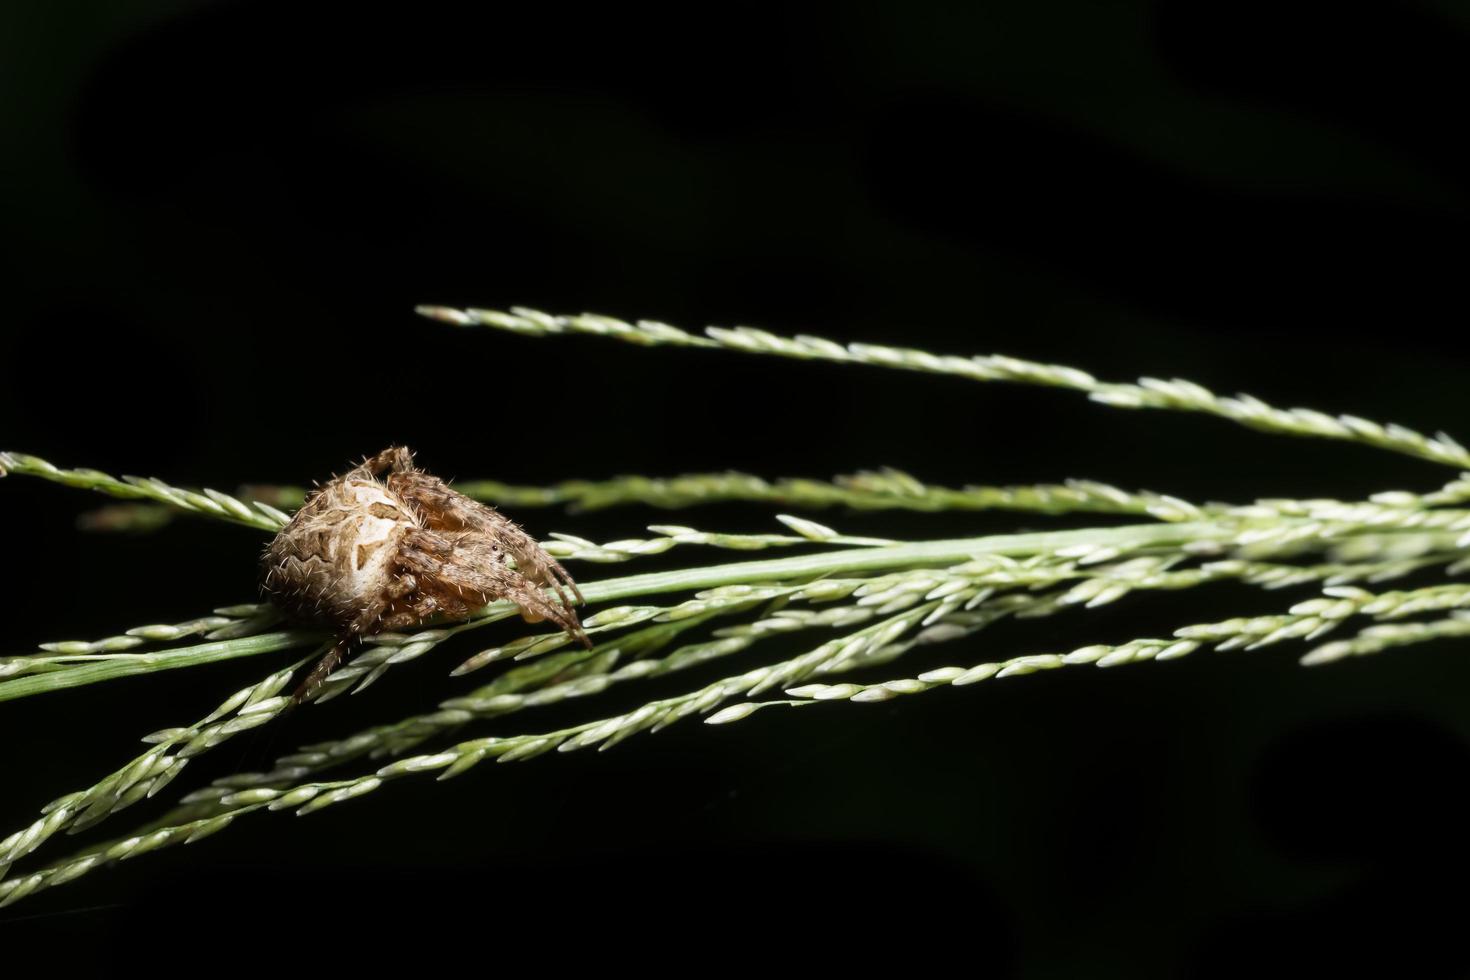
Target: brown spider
{"x":364,"y":555}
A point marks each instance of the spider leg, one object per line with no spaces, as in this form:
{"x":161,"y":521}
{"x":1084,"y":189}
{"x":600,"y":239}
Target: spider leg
{"x":499,"y":582}
{"x":564,"y":576}
{"x":420,"y":609}
{"x":444,"y":568}
{"x":444,"y":509}
{"x":324,"y":667}
{"x":534,"y":562}
{"x":395,"y":459}
{"x":369,"y":621}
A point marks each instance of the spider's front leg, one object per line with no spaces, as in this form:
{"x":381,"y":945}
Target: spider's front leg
{"x":535,"y":563}
{"x":445,"y":509}
{"x":449,"y":568}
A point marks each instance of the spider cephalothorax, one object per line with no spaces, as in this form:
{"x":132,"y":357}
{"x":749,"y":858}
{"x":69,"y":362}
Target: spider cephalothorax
{"x":365,"y":554}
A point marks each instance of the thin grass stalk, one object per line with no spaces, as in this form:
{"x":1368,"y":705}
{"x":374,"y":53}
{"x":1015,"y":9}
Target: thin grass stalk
{"x":1308,"y":620}
{"x":1176,"y":394}
{"x":798,"y":567}
{"x":209,"y":503}
{"x":146,"y":775}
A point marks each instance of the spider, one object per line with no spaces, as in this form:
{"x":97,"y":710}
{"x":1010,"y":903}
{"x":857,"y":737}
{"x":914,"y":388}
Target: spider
{"x":365,"y":554}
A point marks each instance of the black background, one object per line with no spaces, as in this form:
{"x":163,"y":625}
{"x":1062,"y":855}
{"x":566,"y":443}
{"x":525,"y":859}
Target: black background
{"x":219,"y":217}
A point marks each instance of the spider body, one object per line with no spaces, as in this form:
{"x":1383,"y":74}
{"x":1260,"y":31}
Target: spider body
{"x":366,"y":554}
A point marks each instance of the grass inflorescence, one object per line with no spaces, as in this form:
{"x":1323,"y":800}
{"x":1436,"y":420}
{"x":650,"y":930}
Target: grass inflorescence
{"x":854,"y":605}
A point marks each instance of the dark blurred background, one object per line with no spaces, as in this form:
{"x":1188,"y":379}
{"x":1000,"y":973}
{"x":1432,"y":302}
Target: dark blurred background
{"x":219,"y":217}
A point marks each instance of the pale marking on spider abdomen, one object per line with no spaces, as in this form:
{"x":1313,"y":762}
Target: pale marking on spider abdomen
{"x":369,"y":542}
{"x":347,"y":545}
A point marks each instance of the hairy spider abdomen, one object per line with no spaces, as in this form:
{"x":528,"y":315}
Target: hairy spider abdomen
{"x":364,"y":555}
{"x":339,"y":554}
